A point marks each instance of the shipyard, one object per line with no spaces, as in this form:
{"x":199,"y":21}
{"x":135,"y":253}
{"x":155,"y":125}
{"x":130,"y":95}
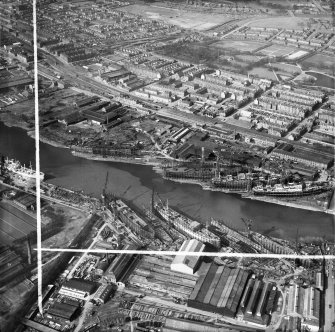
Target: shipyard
{"x":164,"y":291}
{"x":182,"y":175}
{"x":172,"y":109}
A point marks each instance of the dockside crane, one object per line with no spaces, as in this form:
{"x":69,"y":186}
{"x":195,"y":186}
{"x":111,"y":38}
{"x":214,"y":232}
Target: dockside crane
{"x":248,"y":224}
{"x":105,"y":197}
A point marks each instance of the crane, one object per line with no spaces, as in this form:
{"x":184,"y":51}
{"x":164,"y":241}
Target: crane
{"x":248,"y":224}
{"x":104,"y":190}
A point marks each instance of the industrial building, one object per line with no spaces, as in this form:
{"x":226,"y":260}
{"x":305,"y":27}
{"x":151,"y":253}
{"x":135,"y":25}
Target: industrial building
{"x":258,"y":301}
{"x":313,"y":158}
{"x":153,"y":274}
{"x":306,"y":302}
{"x":78,"y":288}
{"x":63,"y":310}
{"x":25,"y":201}
{"x":219,"y":290}
{"x":185,"y":263}
{"x":103,"y":293}
{"x":180,"y":325}
{"x":122,"y":265}
{"x":86,"y":101}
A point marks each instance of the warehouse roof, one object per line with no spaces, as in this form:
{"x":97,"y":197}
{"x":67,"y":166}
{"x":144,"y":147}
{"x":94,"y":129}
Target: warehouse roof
{"x":80,"y":285}
{"x":220,"y":287}
{"x":189,"y":246}
{"x":63,"y":310}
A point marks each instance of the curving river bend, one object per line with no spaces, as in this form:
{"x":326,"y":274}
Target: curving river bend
{"x":135,"y":182}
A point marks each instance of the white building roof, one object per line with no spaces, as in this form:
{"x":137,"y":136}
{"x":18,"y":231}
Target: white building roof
{"x":185,"y":263}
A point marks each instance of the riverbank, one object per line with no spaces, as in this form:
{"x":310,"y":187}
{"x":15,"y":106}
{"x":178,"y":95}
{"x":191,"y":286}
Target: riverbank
{"x":45,"y":140}
{"x":156,"y":166}
{"x":126,"y":160}
{"x":11,"y":122}
{"x":247,"y":195}
{"x":289,"y":204}
{"x":135,"y":182}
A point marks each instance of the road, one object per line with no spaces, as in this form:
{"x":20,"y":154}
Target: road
{"x":86,"y":311}
{"x":330,"y":297}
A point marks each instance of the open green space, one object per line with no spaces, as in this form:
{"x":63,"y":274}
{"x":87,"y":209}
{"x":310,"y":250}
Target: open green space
{"x":239,"y":45}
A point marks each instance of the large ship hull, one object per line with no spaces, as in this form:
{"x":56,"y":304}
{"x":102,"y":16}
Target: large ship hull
{"x":289,"y":193}
{"x":182,"y":227}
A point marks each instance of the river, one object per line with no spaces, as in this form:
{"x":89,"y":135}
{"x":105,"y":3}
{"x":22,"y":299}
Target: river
{"x":135,"y":182}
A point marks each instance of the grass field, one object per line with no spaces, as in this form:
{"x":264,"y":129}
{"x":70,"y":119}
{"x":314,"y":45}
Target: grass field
{"x":182,"y":18}
{"x":263,"y":73}
{"x":286,"y":68}
{"x":277,"y":50}
{"x":239,"y":45}
{"x":317,"y":59}
{"x":281,"y":22}
{"x":320,"y":62}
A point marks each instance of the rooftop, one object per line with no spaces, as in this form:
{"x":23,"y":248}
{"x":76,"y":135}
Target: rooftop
{"x":80,"y":284}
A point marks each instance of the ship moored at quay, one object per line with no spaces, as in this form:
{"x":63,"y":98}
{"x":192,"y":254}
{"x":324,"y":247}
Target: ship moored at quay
{"x":290,"y":189}
{"x":252,"y":183}
{"x":14,"y":166}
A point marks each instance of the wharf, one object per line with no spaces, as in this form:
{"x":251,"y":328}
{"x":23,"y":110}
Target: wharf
{"x":129,"y":160}
{"x":289,"y":204}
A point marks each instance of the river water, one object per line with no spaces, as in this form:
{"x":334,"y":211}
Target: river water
{"x":135,"y":182}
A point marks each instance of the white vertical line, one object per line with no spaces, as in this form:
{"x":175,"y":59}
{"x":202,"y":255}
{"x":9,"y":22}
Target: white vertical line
{"x":37,"y":158}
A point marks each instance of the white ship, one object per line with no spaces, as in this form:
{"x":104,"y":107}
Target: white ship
{"x":15,"y":167}
{"x":290,"y":189}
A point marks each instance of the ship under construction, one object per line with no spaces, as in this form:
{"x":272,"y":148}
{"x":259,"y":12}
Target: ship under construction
{"x":190,"y":228}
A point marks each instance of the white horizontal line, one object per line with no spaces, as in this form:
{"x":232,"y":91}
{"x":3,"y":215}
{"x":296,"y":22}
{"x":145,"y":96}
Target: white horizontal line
{"x":192,"y":253}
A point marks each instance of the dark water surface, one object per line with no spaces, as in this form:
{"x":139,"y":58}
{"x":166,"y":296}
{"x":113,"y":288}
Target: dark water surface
{"x":135,"y":182}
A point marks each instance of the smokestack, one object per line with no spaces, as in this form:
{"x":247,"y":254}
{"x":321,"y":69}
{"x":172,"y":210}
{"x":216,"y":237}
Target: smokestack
{"x":202,"y":154}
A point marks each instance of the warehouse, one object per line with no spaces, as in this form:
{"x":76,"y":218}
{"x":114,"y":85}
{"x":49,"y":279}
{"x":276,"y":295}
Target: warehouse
{"x":258,"y":302}
{"x":64,"y":310}
{"x":313,"y":158}
{"x":180,"y":325}
{"x":188,"y":264}
{"x":26,"y":201}
{"x":122,"y":265}
{"x":103,"y":293}
{"x":73,"y":118}
{"x":86,"y":101}
{"x":219,"y":290}
{"x":78,"y":288}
